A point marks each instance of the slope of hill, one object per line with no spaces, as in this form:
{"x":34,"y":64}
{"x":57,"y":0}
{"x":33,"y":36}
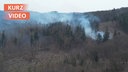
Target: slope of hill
{"x":110,"y":14}
{"x":113,"y":20}
{"x":60,"y":46}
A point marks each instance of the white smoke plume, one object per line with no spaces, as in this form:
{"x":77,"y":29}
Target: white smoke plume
{"x":73,"y":19}
{"x":85,"y":20}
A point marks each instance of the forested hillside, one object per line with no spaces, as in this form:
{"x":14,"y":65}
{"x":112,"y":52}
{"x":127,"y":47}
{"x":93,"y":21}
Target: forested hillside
{"x":59,"y":47}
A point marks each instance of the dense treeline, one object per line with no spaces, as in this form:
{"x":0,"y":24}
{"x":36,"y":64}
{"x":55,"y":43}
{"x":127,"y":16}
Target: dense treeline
{"x":123,"y":20}
{"x":59,"y":47}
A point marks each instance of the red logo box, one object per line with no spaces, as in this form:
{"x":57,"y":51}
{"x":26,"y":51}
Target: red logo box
{"x":15,"y":7}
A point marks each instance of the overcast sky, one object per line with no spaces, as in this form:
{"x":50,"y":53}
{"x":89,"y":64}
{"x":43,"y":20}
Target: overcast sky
{"x":69,"y":5}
